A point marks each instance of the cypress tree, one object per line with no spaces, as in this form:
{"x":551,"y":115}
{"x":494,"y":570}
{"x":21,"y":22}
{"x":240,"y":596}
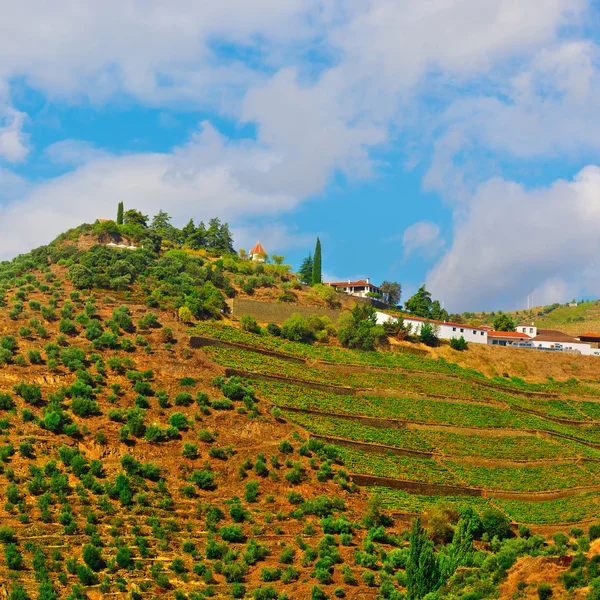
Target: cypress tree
{"x":316,"y":274}
{"x":120,"y":210}
{"x":422,"y":568}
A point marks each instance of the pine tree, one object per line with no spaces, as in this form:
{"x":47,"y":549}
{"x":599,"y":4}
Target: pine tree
{"x":306,"y":270}
{"x":120,"y":211}
{"x":422,"y":569}
{"x":420,"y":303}
{"x":197,"y":240}
{"x":316,"y":273}
{"x":188,"y":230}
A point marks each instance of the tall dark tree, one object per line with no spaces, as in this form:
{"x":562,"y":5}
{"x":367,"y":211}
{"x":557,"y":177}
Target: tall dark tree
{"x":437,"y":312}
{"x":316,"y":273}
{"x":420,"y":303}
{"x":213,"y":233}
{"x":161,"y":223}
{"x":135,"y":217}
{"x":120,"y":211}
{"x":188,"y":230}
{"x":422,"y":569}
{"x":392,"y":292}
{"x":197,"y":240}
{"x":306,"y":270}
{"x":226,"y":240}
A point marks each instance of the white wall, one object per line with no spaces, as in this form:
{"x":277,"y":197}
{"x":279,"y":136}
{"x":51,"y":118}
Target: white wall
{"x":580,"y":347}
{"x":530,"y":330}
{"x":444,"y":330}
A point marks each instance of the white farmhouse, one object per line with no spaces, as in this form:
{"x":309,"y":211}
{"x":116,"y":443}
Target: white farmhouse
{"x":355,"y":288}
{"x":551,"y":339}
{"x":445,"y":330}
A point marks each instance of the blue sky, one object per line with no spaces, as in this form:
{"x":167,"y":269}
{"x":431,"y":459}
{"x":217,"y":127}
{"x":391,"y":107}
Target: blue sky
{"x":448,"y":142}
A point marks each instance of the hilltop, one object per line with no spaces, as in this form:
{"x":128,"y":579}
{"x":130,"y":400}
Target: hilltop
{"x":152,"y":446}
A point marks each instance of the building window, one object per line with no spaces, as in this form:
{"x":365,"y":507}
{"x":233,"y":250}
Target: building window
{"x":530,"y":330}
{"x":454,"y":329}
{"x":474,"y":332}
{"x":462,"y":330}
{"x":482,"y":333}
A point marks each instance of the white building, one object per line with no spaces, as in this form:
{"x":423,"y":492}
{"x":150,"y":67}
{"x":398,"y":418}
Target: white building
{"x":258,"y":254}
{"x":509,"y":338}
{"x":551,"y":339}
{"x":355,"y":288}
{"x":529,"y":328}
{"x":445,"y":330}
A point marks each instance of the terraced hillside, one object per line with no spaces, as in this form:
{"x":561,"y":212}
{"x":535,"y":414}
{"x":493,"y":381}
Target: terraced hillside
{"x":417,"y":429}
{"x":131,"y":466}
{"x":139,"y":462}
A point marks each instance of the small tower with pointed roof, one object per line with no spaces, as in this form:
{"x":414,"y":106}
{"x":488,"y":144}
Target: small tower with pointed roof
{"x":258,"y":254}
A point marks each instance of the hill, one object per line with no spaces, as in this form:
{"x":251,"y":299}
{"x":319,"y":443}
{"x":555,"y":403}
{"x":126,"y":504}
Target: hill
{"x":572,"y":318}
{"x":149,"y":451}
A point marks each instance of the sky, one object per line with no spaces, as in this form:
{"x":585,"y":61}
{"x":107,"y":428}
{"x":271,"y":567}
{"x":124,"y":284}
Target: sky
{"x":449,"y":142}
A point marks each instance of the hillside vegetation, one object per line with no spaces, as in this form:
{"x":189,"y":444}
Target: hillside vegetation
{"x":136,"y":463}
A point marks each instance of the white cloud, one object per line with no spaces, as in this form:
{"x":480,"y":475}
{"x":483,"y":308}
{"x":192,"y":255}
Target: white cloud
{"x":14,"y":142}
{"x":275,"y":237}
{"x":514,"y":242}
{"x":548,"y":108}
{"x":73,"y":152}
{"x":209,"y":176}
{"x":424,"y":237}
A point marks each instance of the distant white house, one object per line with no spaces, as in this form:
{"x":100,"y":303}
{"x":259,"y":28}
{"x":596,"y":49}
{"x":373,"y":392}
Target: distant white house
{"x":355,"y":288}
{"x":258,"y":254}
{"x":445,"y":330}
{"x":551,"y":339}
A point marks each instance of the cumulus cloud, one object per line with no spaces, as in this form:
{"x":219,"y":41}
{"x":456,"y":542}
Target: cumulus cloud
{"x":323,"y":82}
{"x":424,"y":237}
{"x":515,"y":241}
{"x":14,"y":142}
{"x":558,"y":86}
{"x":208,"y":176}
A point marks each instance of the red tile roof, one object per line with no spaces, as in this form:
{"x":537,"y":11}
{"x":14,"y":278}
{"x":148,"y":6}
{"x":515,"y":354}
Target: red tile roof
{"x":511,"y":334}
{"x":594,"y":335}
{"x":359,"y":283}
{"x":258,"y":249}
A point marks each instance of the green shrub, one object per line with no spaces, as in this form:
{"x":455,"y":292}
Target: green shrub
{"x":179,"y":421}
{"x":93,"y":558}
{"x":203,"y":479}
{"x":6,"y":402}
{"x":189,"y":450}
{"x":458,"y":343}
{"x":183,"y":399}
{"x":205,"y":436}
{"x":149,"y":321}
{"x":251,"y":491}
{"x":427,"y":334}
{"x":232,"y":534}
{"x":296,"y":329}
{"x":544,"y":591}
{"x":35,"y":357}
{"x":267,"y":574}
{"x":222,"y":404}
{"x":274,"y":329}
{"x":248,"y":323}
{"x":31,"y":393}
